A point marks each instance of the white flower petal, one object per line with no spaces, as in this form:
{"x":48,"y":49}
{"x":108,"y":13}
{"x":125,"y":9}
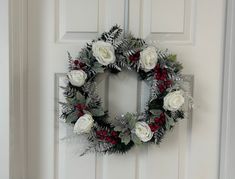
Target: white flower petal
{"x":148,"y":58}
{"x":77,"y":77}
{"x":103,"y":52}
{"x":143,"y":131}
{"x":84,"y":124}
{"x":174,"y":100}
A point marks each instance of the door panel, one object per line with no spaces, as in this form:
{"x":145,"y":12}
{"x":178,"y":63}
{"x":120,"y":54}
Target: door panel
{"x":119,"y":98}
{"x":190,"y":151}
{"x":82,"y":20}
{"x":164,"y":21}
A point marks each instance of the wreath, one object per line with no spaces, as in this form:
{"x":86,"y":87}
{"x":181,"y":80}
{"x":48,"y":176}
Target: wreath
{"x":112,"y":52}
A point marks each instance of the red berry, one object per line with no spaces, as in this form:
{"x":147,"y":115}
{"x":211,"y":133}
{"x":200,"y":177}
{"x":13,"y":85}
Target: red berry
{"x":76,"y":62}
{"x":157,"y":120}
{"x":134,"y":57}
{"x":162,"y":115}
{"x":81,"y":106}
{"x":153,"y":127}
{"x":156,"y":128}
{"x":98,"y":133}
{"x":161,"y":87}
{"x":102,"y":138}
{"x":113,"y":142}
{"x":114,"y":133}
{"x":104,"y":133}
{"x":168,"y":83}
{"x":108,"y":139}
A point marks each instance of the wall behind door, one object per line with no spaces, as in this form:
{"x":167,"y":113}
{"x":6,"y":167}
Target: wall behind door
{"x":4,"y":92}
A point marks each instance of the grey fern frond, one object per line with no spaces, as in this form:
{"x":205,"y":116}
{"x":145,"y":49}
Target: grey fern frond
{"x":114,"y":66}
{"x":113,"y":34}
{"x":159,"y":135}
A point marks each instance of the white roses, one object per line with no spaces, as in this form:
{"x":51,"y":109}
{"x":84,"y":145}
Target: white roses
{"x":143,"y":131}
{"x":148,"y":59}
{"x":103,"y":52}
{"x":77,"y":77}
{"x":174,"y":100}
{"x":84,"y":124}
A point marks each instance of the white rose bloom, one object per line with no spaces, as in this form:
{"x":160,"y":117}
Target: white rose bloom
{"x":148,"y":59}
{"x":77,"y":77}
{"x":84,"y":124}
{"x":174,"y":100}
{"x":103,"y":52}
{"x":143,"y":131}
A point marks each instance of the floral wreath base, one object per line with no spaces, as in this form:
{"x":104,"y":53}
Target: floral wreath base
{"x":112,"y":52}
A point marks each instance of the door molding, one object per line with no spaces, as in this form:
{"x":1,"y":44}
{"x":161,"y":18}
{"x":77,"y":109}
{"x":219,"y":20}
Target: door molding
{"x":227,"y":147}
{"x":18,"y":88}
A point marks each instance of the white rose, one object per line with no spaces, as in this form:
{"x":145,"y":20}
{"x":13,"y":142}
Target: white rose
{"x":174,"y":100}
{"x":83,"y":124}
{"x":143,"y":131}
{"x":103,"y":52}
{"x":77,"y":77}
{"x":148,"y":58}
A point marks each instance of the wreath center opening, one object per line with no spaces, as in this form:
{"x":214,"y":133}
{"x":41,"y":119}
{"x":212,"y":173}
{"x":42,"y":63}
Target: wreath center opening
{"x":123,"y":92}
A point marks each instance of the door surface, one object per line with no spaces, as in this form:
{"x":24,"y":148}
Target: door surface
{"x":192,"y":29}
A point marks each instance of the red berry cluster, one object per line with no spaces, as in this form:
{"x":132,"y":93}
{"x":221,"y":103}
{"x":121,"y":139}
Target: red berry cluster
{"x":135,"y":57}
{"x":110,"y":137}
{"x":162,"y":76}
{"x":78,"y":64}
{"x":158,"y":122}
{"x":80,"y":108}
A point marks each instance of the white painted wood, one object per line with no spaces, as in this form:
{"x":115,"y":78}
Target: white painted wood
{"x":203,"y":149}
{"x":165,"y":158}
{"x":46,"y":57}
{"x":227,"y":158}
{"x":133,"y":21}
{"x":70,"y":22}
{"x":122,"y":98}
{"x":171,"y":156}
{"x":68,"y":146}
{"x":114,"y":166}
{"x":167,"y":16}
{"x":191,"y":153}
{"x":134,"y":96}
{"x":72,"y":27}
{"x":164,"y":21}
{"x":114,"y":13}
{"x":4,"y":95}
{"x":78,"y":12}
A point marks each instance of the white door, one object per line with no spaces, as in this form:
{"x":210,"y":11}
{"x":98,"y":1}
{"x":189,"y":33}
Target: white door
{"x":192,"y":29}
